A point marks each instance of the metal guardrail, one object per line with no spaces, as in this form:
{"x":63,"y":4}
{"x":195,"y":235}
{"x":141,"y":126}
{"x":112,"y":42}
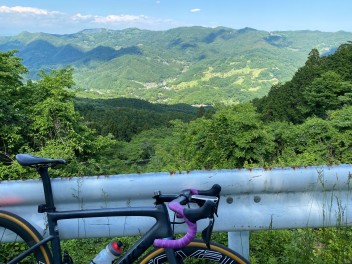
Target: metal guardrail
{"x":256,"y":199}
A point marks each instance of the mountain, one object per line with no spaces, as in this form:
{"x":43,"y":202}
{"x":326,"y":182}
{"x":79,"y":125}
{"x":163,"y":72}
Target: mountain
{"x":194,"y":65}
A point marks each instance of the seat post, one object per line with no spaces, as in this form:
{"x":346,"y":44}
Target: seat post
{"x":48,"y":193}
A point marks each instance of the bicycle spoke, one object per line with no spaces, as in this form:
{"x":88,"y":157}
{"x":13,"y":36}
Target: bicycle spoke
{"x":10,"y":250}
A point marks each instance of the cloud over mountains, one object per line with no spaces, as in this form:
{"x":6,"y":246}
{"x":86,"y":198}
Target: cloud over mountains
{"x":15,"y":18}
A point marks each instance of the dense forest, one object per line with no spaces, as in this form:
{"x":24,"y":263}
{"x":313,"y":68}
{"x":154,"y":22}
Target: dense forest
{"x":304,"y":121}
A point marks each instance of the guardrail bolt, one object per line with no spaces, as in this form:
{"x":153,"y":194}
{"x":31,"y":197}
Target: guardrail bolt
{"x":257,"y":199}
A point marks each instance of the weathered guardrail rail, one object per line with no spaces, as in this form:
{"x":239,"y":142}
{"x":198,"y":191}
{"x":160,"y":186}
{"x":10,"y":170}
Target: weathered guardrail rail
{"x":255,"y":199}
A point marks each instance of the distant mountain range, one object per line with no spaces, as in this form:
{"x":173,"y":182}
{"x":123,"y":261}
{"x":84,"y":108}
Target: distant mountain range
{"x":194,"y":65}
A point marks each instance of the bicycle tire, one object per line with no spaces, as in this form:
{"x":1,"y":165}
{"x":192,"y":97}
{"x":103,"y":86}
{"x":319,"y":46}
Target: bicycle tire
{"x":24,"y":231}
{"x":197,"y":252}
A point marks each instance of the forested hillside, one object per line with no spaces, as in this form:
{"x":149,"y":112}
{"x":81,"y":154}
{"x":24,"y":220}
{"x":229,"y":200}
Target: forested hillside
{"x":323,"y":84}
{"x":304,"y":121}
{"x":127,"y":117}
{"x":193,"y":65}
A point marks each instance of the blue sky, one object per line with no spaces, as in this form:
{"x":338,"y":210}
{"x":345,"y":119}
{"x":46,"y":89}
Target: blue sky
{"x":69,"y":16}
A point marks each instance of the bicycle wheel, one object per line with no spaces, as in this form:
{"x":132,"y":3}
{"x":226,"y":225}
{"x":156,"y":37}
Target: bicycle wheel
{"x":24,"y":235}
{"x":197,"y":252}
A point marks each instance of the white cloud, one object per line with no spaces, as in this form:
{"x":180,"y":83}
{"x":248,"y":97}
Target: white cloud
{"x":195,"y":10}
{"x":80,"y":17}
{"x":25,"y":10}
{"x":16,"y":19}
{"x":112,"y":19}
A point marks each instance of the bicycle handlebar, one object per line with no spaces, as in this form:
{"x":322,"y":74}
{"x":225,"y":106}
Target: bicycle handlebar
{"x":191,"y":216}
{"x":187,"y":238}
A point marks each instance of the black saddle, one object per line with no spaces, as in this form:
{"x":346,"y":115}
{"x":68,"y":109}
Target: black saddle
{"x":30,"y":160}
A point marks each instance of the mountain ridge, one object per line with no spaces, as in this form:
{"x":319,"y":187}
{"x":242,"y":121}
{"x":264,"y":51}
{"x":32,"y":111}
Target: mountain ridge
{"x":194,"y":65}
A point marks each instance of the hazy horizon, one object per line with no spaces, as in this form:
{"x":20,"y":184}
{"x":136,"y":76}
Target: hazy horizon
{"x":67,"y":17}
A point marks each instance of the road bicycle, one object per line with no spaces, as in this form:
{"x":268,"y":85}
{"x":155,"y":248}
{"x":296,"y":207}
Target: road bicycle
{"x":157,"y":245}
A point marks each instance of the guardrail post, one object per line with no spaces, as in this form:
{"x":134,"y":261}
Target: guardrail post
{"x":239,"y":242}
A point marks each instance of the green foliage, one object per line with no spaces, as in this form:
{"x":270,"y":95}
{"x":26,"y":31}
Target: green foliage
{"x":269,"y":246}
{"x":11,"y":250}
{"x":11,"y":71}
{"x":233,"y":138}
{"x":316,"y":246}
{"x":125,"y":118}
{"x":328,"y":92}
{"x":42,"y":120}
{"x":311,"y":143}
{"x":341,"y":121}
{"x":323,"y":84}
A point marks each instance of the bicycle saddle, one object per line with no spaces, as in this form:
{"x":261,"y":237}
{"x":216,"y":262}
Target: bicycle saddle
{"x":30,"y":160}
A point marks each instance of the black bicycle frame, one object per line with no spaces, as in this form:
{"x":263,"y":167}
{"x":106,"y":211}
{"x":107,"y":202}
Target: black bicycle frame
{"x":161,"y":229}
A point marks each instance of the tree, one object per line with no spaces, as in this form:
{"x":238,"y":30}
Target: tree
{"x":39,"y":117}
{"x":285,"y":102}
{"x":313,"y":142}
{"x":11,"y":116}
{"x":341,"y":120}
{"x":328,"y":92}
{"x":233,"y":138}
{"x":53,"y":116}
{"x":314,"y":58}
{"x":11,"y":70}
{"x":340,"y":61}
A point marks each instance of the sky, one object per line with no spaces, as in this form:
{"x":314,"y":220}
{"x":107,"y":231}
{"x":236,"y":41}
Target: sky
{"x":71,"y":16}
